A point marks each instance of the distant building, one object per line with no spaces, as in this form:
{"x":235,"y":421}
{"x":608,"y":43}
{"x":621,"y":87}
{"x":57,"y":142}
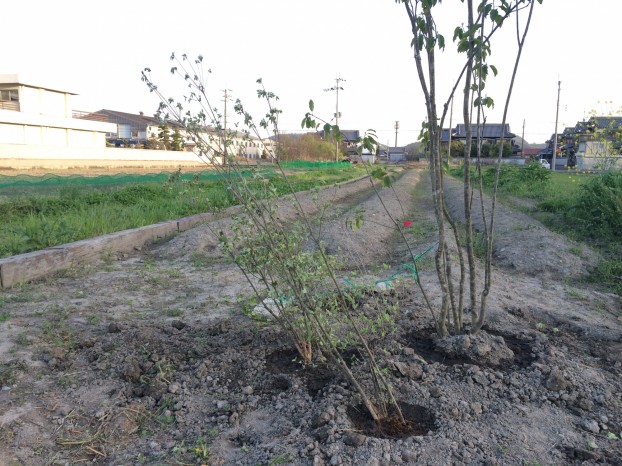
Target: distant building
{"x":396,"y":154}
{"x":349,"y":140}
{"x":137,"y":129}
{"x":35,"y":114}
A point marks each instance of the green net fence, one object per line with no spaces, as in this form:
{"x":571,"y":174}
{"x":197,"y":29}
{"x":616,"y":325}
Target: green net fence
{"x":51,"y":180}
{"x":8,"y":181}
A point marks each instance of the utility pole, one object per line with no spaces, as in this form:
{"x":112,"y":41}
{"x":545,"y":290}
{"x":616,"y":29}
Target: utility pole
{"x":522,"y":144}
{"x":336,"y":88}
{"x":559,"y":84}
{"x":397,"y":126}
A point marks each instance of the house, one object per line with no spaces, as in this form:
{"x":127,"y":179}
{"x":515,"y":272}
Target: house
{"x":599,"y":143}
{"x":349,"y":139}
{"x":592,"y":144}
{"x":130,"y":129}
{"x":37,"y":115}
{"x":137,"y":129}
{"x":396,"y":154}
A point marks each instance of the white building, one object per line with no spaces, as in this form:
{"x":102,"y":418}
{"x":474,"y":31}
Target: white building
{"x":33,"y":114}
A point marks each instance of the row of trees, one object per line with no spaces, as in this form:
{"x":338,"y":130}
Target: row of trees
{"x":305,"y":147}
{"x":166,"y":140}
{"x":289,"y":267}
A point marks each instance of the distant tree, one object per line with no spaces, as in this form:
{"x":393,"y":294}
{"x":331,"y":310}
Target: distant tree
{"x":491,"y":149}
{"x":165,"y":136}
{"x":154,"y":144}
{"x":412,"y":150}
{"x":305,"y":147}
{"x":457,"y":149}
{"x":177,"y":142}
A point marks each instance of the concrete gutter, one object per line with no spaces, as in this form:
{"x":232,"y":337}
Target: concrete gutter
{"x":23,"y":268}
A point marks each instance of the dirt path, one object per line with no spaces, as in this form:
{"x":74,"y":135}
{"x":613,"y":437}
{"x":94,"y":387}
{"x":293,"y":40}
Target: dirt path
{"x":151,"y":359}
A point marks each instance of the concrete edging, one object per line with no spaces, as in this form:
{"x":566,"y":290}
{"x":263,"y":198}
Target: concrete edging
{"x":16,"y":270}
{"x":23,"y":268}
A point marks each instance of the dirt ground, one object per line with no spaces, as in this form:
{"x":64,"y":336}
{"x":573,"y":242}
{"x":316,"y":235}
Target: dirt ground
{"x":154,"y":358}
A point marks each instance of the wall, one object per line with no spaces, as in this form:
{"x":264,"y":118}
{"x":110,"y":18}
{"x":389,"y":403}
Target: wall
{"x":25,"y":157}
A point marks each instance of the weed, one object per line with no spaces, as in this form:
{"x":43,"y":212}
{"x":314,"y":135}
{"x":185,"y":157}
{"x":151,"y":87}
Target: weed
{"x":66,"y":380}
{"x":94,"y":319}
{"x":200,"y":260}
{"x":165,"y":372}
{"x":22,"y":339}
{"x":174,"y":313}
{"x":201,"y":450}
{"x":4,"y":316}
{"x":167,"y":420}
{"x":280,"y":459}
{"x":8,"y":372}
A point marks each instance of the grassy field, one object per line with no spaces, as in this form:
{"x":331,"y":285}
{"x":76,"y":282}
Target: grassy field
{"x":44,"y":211}
{"x":584,"y":207}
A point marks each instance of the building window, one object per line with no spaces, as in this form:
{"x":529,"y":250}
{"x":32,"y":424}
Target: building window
{"x":9,"y":95}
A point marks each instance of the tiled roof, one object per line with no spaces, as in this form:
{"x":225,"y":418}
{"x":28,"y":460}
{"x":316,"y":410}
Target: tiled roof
{"x":489,"y":131}
{"x":348,"y":135}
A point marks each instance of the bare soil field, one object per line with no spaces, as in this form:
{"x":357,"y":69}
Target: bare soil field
{"x":154,"y":358}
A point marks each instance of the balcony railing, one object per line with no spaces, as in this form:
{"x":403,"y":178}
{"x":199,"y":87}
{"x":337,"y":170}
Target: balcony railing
{"x":7,"y":105}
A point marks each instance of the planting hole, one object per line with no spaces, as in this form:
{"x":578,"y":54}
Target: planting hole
{"x":419,"y":421}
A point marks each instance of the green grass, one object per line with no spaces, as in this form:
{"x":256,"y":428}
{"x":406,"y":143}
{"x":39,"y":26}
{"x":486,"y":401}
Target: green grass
{"x":584,"y":207}
{"x":40,"y":212}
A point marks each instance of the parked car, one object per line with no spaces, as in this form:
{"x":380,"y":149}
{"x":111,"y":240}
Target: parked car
{"x":545,"y":164}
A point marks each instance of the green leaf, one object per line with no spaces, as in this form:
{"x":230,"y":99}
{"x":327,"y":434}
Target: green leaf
{"x":311,"y":105}
{"x":494,"y":69}
{"x":441,"y":41}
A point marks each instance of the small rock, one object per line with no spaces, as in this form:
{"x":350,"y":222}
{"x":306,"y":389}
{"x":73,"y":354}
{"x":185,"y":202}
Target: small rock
{"x":482,"y":348}
{"x":322,"y":419}
{"x":354,"y":439}
{"x":409,"y":456}
{"x":435,"y":392}
{"x":556,"y":381}
{"x":476,"y":408}
{"x":131,"y":371}
{"x":590,"y":425}
{"x":248,"y":390}
{"x":178,"y":324}
{"x":174,"y":387}
{"x":64,"y":410}
{"x":114,"y":328}
{"x":586,"y":404}
{"x":410,"y":370}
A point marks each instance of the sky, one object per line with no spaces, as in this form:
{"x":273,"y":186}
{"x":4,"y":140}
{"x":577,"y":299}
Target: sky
{"x":299,"y":49}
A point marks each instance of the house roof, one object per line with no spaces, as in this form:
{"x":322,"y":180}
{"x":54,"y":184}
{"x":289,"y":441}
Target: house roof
{"x":610,"y":122}
{"x":123,"y":117}
{"x":348,"y":135}
{"x":489,"y":131}
{"x":21,"y":80}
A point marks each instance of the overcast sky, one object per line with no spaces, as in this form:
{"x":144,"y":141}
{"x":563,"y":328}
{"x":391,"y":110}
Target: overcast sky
{"x":98,"y":49}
